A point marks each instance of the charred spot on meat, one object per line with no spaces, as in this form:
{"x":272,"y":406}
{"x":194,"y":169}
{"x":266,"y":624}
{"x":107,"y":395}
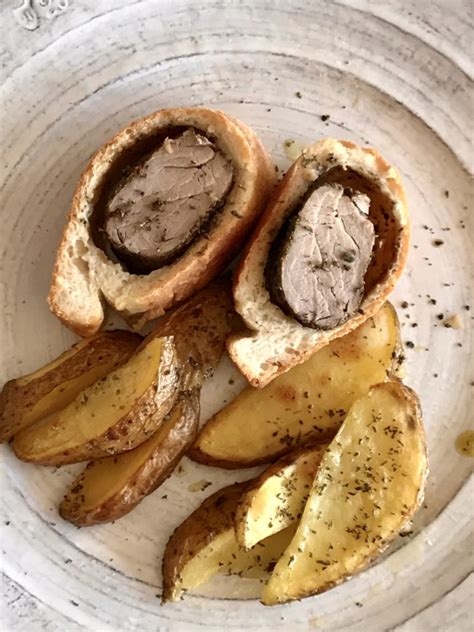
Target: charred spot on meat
{"x":318,"y":262}
{"x":165,"y":200}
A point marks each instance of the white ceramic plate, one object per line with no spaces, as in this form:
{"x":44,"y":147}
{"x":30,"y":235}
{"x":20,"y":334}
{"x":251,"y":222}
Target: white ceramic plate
{"x":395,"y":75}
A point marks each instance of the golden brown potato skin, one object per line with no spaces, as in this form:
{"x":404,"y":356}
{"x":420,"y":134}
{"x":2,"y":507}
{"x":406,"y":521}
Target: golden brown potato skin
{"x":200,"y":327}
{"x":176,"y":435}
{"x":129,"y":430}
{"x":85,"y":362}
{"x":213,"y":517}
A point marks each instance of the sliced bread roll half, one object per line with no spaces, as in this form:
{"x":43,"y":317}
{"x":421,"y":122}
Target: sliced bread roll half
{"x":160,"y":211}
{"x":323,"y":258}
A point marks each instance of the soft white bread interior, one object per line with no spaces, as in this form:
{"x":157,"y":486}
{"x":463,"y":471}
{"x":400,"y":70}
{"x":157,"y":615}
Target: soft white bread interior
{"x":276,"y":342}
{"x":84,"y":275}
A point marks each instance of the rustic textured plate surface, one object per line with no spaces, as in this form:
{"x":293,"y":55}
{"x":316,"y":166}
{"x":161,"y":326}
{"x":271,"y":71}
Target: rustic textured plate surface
{"x":395,"y":75}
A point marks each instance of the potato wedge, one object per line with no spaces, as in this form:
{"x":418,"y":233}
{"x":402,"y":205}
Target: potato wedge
{"x":199,"y":328}
{"x":205,"y":544}
{"x":110,"y":488}
{"x":115,"y":414}
{"x":27,"y":399}
{"x":369,"y":484}
{"x":306,"y":404}
{"x":275,"y":500}
{"x":113,"y":486}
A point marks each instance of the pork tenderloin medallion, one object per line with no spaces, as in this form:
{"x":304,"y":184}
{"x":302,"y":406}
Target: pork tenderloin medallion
{"x":163,"y":203}
{"x":325,"y":255}
{"x":316,"y":272}
{"x":159,"y":212}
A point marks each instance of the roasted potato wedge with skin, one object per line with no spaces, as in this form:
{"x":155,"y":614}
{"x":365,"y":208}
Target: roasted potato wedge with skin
{"x":275,"y":500}
{"x":27,"y":399}
{"x":111,"y":487}
{"x":306,"y":404}
{"x":205,"y":544}
{"x":369,"y":484}
{"x":115,"y":414}
{"x":199,"y":328}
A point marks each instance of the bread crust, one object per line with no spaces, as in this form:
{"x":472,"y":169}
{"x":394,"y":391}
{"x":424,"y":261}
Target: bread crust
{"x":276,"y":342}
{"x":84,"y":276}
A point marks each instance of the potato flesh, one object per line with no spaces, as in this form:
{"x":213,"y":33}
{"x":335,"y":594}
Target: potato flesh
{"x":106,"y":477}
{"x":60,"y":396}
{"x":307,"y":403}
{"x":103,"y":479}
{"x":279,"y":501}
{"x":94,"y":410}
{"x":206,"y":563}
{"x":206,"y":544}
{"x":368,"y":485}
{"x":224,"y":555}
{"x":28,"y":399}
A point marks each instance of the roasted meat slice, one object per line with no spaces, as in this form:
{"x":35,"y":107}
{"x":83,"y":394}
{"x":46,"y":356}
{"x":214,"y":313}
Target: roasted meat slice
{"x":317,"y":268}
{"x":163,"y":203}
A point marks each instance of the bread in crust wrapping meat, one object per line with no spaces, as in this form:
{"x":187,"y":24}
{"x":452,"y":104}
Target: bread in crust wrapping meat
{"x":84,"y":276}
{"x":276,"y":342}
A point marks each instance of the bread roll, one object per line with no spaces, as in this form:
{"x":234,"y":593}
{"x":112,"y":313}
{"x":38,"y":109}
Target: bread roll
{"x":296,"y":296}
{"x":107,"y":251}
